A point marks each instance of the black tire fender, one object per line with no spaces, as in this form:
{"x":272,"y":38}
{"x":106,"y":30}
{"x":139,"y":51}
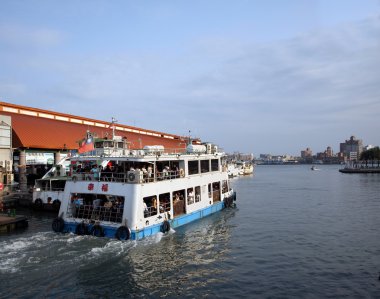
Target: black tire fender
{"x":227,"y":202}
{"x":131,"y":177}
{"x":38,"y":203}
{"x":97,"y":231}
{"x":58,"y":225}
{"x":123,"y":233}
{"x":165,"y":227}
{"x":57,"y":203}
{"x":81,"y":229}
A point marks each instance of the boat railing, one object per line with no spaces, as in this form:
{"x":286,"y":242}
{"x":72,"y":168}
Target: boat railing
{"x":134,"y":176}
{"x":44,"y":189}
{"x":89,"y":212}
{"x":118,"y":152}
{"x":363,"y":164}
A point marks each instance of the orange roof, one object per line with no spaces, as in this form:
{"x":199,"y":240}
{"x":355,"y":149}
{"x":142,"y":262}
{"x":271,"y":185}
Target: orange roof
{"x":42,"y":129}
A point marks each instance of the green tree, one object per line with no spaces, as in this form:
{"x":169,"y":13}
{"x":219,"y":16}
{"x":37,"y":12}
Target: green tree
{"x":371,"y":154}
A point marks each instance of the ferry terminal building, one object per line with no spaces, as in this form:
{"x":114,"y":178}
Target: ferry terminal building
{"x":32,"y":140}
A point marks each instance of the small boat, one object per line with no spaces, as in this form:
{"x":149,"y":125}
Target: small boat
{"x":137,"y":193}
{"x":232,"y":170}
{"x":48,"y":191}
{"x":245,"y":167}
{"x":314,"y":168}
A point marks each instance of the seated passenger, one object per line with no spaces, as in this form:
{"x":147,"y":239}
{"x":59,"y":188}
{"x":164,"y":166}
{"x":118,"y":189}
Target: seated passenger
{"x":96,"y":203}
{"x":176,"y":197}
{"x":154,"y":203}
{"x":108,"y":204}
{"x":190,"y":197}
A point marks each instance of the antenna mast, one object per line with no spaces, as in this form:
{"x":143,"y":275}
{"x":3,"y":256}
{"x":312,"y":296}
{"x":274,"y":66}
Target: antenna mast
{"x":114,"y":120}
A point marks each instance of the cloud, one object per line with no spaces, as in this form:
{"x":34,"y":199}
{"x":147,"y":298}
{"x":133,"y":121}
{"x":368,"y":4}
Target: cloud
{"x":12,"y":35}
{"x":318,"y":87}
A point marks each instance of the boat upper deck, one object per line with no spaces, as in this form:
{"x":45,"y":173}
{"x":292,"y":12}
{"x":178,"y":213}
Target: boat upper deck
{"x":148,"y":165}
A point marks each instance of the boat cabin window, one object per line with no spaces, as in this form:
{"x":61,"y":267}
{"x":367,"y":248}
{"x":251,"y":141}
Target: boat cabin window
{"x":150,"y":206}
{"x":193,"y":167}
{"x":179,"y":206}
{"x":197,"y":194}
{"x":58,"y":185}
{"x":164,"y":202}
{"x":205,"y":166}
{"x":190,"y":196}
{"x":214,"y":164}
{"x":96,"y":207}
{"x":214,"y":191}
{"x":225,"y":187}
{"x":167,"y":170}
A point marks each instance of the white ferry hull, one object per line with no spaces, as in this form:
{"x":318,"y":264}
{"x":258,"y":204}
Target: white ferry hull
{"x":110,"y":231}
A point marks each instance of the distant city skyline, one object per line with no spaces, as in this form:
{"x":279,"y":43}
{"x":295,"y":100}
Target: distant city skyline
{"x":251,"y":76}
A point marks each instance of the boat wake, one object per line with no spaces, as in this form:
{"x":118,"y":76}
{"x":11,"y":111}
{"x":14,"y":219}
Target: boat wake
{"x":63,"y":250}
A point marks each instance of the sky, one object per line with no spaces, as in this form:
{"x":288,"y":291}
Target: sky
{"x":253,"y":76}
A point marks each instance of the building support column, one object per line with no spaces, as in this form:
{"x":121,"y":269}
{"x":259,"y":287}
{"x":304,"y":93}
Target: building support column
{"x":22,"y":172}
{"x":57,"y":157}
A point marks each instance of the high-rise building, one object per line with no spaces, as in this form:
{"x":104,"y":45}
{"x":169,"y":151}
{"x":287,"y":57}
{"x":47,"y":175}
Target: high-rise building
{"x":308,"y":153}
{"x":329,"y":152}
{"x":352,"y":148}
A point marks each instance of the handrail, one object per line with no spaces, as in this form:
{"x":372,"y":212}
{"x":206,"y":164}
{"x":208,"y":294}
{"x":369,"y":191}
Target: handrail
{"x":137,"y":178}
{"x":89,"y":212}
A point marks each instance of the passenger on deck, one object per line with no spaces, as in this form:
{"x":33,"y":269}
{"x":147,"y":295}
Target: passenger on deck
{"x":145,"y":173}
{"x":79,"y":169}
{"x":108,"y":204}
{"x":150,"y":172}
{"x":176,"y":197}
{"x":154,"y":203}
{"x":107,"y":172}
{"x":190,"y":197}
{"x":95,"y":172}
{"x":165,"y":173}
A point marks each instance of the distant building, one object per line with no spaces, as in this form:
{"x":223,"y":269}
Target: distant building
{"x":352,"y":148}
{"x":329,"y":152}
{"x":269,"y":159}
{"x":308,"y":153}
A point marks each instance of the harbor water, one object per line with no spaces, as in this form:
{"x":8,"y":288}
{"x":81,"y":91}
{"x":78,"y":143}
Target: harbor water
{"x":295,"y":233}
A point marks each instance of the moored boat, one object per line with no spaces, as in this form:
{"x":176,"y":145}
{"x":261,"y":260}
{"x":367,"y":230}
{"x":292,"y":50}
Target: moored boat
{"x":48,"y":191}
{"x":232,"y":170}
{"x":245,"y":167}
{"x":131,"y":194}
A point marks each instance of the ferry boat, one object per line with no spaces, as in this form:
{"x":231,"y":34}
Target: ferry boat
{"x":132,"y":194}
{"x":48,"y":191}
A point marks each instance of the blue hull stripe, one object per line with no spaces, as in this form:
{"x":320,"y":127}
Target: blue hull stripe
{"x":110,"y":231}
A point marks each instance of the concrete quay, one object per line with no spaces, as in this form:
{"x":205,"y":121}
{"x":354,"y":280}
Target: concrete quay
{"x":11,"y":222}
{"x":360,"y":170}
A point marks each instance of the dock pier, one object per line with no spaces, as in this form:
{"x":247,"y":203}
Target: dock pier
{"x":9,"y":222}
{"x":362,"y":167}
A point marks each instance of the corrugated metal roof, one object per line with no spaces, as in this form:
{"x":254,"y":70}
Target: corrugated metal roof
{"x":42,"y":129}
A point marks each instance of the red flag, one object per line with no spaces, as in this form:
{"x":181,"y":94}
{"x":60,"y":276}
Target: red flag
{"x":87,"y":145}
